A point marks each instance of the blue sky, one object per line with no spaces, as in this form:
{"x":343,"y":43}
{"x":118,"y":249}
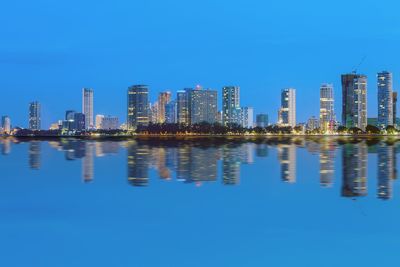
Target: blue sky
{"x":49,"y":50}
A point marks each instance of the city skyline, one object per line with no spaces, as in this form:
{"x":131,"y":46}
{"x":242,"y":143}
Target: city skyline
{"x":168,"y":108}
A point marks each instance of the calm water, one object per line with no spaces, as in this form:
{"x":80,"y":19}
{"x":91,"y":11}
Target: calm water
{"x":276,"y":202}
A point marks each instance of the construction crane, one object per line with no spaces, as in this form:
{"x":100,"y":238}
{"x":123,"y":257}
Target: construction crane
{"x":359,"y":64}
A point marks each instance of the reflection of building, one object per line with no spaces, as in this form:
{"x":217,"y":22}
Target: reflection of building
{"x":287,"y":112}
{"x":34,"y":116}
{"x":354,"y":160}
{"x":34,"y":155}
{"x":287,"y":158}
{"x":87,"y":107}
{"x":88,"y":162}
{"x":230,"y":165}
{"x":104,"y":148}
{"x":138,"y":106}
{"x":262,"y":150}
{"x":138,"y":164}
{"x":5,"y":146}
{"x":354,"y":101}
{"x":386,"y":170}
{"x":327,"y":164}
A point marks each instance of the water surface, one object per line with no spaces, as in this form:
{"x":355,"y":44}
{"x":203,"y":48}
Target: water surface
{"x":199,"y":202}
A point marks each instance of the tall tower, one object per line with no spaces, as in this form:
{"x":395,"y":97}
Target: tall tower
{"x":182,"y":107}
{"x":87,"y":107}
{"x":385,"y":99}
{"x":34,"y":116}
{"x":326,"y":107}
{"x":163,"y":99}
{"x":288,"y":107}
{"x":354,"y":101}
{"x":230,"y":104}
{"x":394,"y":98}
{"x":202,"y":105}
{"x":138,"y":106}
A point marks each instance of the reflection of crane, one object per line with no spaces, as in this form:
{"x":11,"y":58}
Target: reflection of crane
{"x":359,"y":64}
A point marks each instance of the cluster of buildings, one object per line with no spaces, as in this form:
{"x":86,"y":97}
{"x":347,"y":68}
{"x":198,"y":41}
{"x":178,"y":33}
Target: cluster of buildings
{"x":196,"y":105}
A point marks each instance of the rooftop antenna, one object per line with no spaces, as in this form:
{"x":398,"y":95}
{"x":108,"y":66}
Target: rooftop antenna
{"x":359,"y":64}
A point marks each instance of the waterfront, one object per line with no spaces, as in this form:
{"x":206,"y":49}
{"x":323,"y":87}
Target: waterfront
{"x":281,"y":201}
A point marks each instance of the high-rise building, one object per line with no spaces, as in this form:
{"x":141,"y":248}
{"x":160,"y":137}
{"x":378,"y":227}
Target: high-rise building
{"x":6,"y":124}
{"x":230,"y":105}
{"x":262,"y":120}
{"x":385,"y":99}
{"x":394,"y":99}
{"x":79,"y":122}
{"x":109,"y":123}
{"x":170,"y":112}
{"x":87,"y":107}
{"x":354,"y":101}
{"x":247,"y":115}
{"x":312,"y":123}
{"x":34,"y":116}
{"x":99,"y":121}
{"x":287,"y":112}
{"x":182,"y":107}
{"x":202,"y":105}
{"x":138,"y":106}
{"x":163,"y":99}
{"x":326,"y":107}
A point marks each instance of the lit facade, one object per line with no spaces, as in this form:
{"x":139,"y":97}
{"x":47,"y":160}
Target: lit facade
{"x":87,"y":107}
{"x":138,"y":106}
{"x":385,"y":99}
{"x":354,"y":101}
{"x":202,"y":105}
{"x":34,"y":116}
{"x":326,"y":107}
{"x":287,"y":112}
{"x":230,"y":105}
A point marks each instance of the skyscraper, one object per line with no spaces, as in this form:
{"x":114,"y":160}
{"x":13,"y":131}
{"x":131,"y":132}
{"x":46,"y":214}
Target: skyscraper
{"x":6,"y":124}
{"x":326,"y":107}
{"x":138,"y":106}
{"x":202,"y":105}
{"x":79,"y":122}
{"x":34,"y":116}
{"x":87,"y":107}
{"x":170,"y":112}
{"x":230,"y":105}
{"x":394,"y":99}
{"x":247,"y":115}
{"x":354,"y":100}
{"x":385,"y":99}
{"x":287,"y":112}
{"x":163,"y":99}
{"x":182,"y":107}
{"x":262,"y":120}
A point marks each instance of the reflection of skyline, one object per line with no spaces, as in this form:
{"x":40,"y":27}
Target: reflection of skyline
{"x":354,"y":159}
{"x":201,"y":163}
